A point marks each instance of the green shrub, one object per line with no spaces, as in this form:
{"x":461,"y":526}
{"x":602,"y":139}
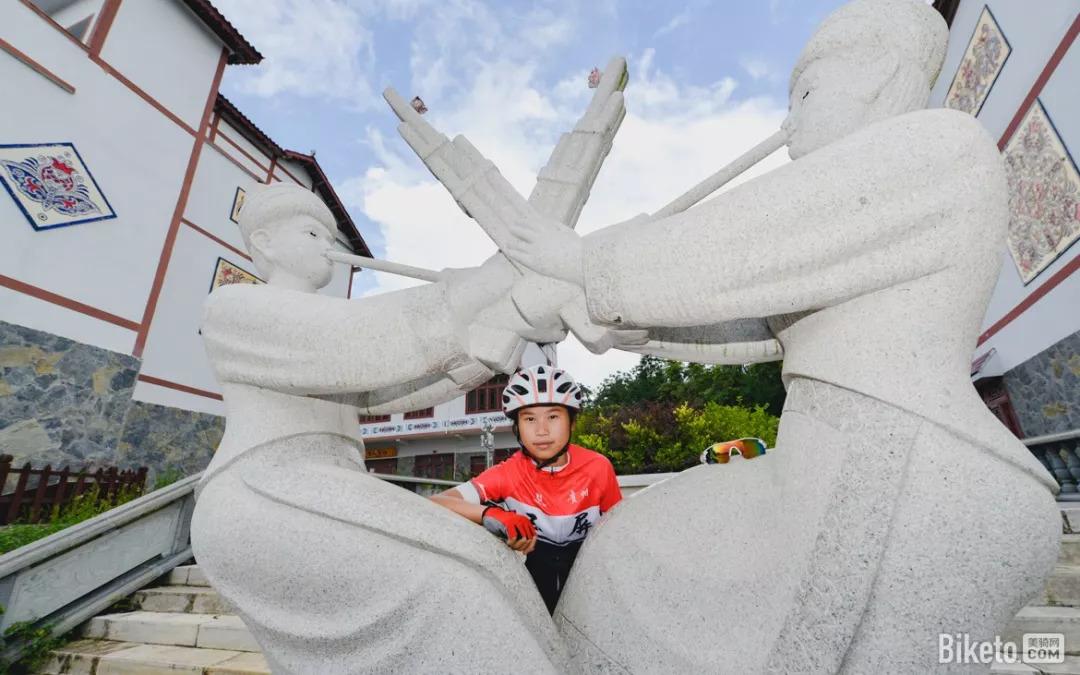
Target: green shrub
{"x":650,"y":437}
{"x":168,"y":477}
{"x":83,"y":507}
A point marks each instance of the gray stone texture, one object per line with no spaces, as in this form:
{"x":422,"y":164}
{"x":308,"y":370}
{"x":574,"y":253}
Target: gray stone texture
{"x":67,"y":403}
{"x":1045,"y":389}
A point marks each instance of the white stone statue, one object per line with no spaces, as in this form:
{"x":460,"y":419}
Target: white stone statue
{"x":895,"y":506}
{"x":333,"y":570}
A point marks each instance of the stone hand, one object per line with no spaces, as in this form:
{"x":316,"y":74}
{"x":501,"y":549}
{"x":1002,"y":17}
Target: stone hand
{"x":545,"y":300}
{"x":547,"y":248}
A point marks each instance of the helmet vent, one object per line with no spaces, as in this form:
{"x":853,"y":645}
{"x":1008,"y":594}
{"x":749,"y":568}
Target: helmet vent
{"x":564,"y":387}
{"x":518,"y":389}
{"x":541,"y":385}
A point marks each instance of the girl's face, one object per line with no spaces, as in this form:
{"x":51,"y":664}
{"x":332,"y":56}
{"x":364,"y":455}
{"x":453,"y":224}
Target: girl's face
{"x":544,"y":429}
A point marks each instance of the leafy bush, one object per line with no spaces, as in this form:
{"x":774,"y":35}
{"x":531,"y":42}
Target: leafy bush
{"x":654,"y":437}
{"x":83,"y":507}
{"x":168,"y":477}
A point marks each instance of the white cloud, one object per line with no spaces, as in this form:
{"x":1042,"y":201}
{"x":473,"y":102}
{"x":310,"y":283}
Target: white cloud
{"x":755,"y":68}
{"x":674,"y":135}
{"x":677,"y":21}
{"x":315,"y":48}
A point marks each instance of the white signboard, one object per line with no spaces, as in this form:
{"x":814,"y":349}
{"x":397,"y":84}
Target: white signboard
{"x":467,"y":423}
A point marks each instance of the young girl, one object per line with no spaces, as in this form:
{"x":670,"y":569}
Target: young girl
{"x":544,"y":499}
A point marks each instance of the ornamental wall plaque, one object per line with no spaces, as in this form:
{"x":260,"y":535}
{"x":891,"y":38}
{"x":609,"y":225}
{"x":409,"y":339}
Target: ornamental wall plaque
{"x":1044,"y":194}
{"x":226,"y":273}
{"x":985,"y":56}
{"x":237,"y":204}
{"x":51,"y":185}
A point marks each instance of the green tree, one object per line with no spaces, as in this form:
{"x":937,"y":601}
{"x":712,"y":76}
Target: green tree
{"x":660,"y":415}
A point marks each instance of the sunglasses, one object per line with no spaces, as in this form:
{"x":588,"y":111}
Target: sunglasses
{"x":720,"y":453}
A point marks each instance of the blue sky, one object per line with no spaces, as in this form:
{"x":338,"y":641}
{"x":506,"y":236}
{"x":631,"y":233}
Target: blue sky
{"x":707,"y":81}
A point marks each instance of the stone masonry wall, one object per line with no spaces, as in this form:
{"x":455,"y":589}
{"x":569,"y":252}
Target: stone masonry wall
{"x":1045,"y":389}
{"x":67,"y":403}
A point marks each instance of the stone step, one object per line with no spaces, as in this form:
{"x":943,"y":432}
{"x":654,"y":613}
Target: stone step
{"x":212,"y":631}
{"x":186,"y":575}
{"x":106,"y":657}
{"x":183,"y":599}
{"x":1063,"y":587}
{"x":1035,"y":619}
{"x":1070,"y":549}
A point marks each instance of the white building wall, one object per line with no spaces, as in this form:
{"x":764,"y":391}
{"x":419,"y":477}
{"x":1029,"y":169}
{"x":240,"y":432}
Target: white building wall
{"x":1033,"y":36}
{"x":107,"y":264}
{"x":455,"y":430}
{"x":212,"y":192}
{"x":167,"y":52}
{"x":229,"y":140}
{"x":290,"y":171}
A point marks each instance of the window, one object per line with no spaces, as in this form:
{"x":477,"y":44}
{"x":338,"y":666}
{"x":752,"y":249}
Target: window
{"x":434,"y":466}
{"x":374,"y":419}
{"x":420,"y":414}
{"x":488,"y":396}
{"x":74,"y":16}
{"x":387,"y":466}
{"x":478,"y":463}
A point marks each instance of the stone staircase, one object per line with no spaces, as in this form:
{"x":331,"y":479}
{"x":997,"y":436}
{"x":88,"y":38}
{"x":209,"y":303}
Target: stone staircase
{"x":181,"y":626}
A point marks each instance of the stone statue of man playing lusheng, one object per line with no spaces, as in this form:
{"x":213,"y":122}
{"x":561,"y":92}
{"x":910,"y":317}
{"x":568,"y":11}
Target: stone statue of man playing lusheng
{"x":334,"y":570}
{"x":895,"y":507}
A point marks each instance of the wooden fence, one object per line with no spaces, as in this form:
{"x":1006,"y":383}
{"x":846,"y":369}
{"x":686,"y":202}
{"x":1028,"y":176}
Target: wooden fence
{"x":37,"y":491}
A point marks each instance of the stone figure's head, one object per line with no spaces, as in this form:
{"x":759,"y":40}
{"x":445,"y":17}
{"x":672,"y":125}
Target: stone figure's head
{"x":869,"y":60}
{"x":287,"y":230}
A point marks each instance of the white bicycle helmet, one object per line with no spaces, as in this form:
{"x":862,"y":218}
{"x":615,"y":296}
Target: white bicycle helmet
{"x":541,"y":385}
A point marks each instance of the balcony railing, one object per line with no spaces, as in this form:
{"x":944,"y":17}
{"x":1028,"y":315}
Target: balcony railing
{"x":1060,"y":454}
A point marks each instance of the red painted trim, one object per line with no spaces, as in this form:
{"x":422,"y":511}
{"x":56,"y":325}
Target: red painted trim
{"x":37,"y":10}
{"x":245,"y":153}
{"x":1033,"y":297}
{"x":178,"y":212}
{"x":216,"y":238}
{"x":289,"y":174}
{"x":1037,"y":88}
{"x":102,"y":26}
{"x":270,"y":173}
{"x":67,"y":303}
{"x":1029,"y":100}
{"x":142,"y":94}
{"x":35,"y":66}
{"x":214,"y":128}
{"x":225,"y":153}
{"x":178,"y":387}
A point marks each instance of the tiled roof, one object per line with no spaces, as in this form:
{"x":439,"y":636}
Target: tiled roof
{"x":320,"y":183}
{"x":240,"y":50}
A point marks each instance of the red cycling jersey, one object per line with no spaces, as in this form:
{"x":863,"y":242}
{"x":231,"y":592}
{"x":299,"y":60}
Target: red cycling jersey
{"x":563,"y":502}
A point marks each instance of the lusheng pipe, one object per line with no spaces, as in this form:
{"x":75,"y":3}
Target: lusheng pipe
{"x":384,"y":266}
{"x":723,"y":176}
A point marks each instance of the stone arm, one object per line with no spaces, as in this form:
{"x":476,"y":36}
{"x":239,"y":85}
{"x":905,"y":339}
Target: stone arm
{"x":306,"y":344}
{"x":736,"y":342}
{"x":878,"y":208}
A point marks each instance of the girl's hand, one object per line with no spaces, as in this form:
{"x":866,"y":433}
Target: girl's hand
{"x":522,"y":545}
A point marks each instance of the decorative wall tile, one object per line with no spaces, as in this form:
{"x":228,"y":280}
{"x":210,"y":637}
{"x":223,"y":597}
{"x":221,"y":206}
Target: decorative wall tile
{"x":237,"y":204}
{"x":226,"y":273}
{"x":1044,"y":194}
{"x":985,"y":56}
{"x":51,"y":185}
